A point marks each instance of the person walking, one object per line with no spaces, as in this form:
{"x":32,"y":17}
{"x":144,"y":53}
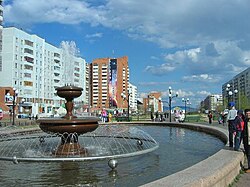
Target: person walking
{"x":210,"y":116}
{"x":232,"y":113}
{"x":246,"y":138}
{"x":110,"y":117}
{"x":238,"y":126}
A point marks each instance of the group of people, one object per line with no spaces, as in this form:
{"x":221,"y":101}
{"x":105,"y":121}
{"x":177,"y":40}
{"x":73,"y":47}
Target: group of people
{"x":106,"y":116}
{"x":158,"y":116}
{"x":239,"y":131}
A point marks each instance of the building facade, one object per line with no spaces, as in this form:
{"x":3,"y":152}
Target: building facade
{"x":133,"y":97}
{"x":237,"y":89}
{"x":35,"y":68}
{"x":109,"y":79}
{"x":153,"y":103}
{"x":212,"y":102}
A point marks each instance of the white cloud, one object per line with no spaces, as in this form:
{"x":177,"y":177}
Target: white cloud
{"x":203,"y":93}
{"x":160,"y":69}
{"x":202,"y":78}
{"x":28,"y":12}
{"x":156,"y":83}
{"x":214,"y":59}
{"x":95,"y":35}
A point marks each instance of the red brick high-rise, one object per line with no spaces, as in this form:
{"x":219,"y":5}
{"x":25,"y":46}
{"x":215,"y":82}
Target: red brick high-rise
{"x":109,"y":78}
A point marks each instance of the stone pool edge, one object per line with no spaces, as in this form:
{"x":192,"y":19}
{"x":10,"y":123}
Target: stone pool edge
{"x":217,"y":170}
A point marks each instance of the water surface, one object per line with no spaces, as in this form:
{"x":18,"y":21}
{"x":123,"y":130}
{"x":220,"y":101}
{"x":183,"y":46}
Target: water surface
{"x":178,"y":149}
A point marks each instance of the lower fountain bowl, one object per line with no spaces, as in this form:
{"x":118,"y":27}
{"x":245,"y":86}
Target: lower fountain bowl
{"x":62,"y":125}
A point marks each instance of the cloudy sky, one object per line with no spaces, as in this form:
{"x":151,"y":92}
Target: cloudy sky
{"x":194,"y":46}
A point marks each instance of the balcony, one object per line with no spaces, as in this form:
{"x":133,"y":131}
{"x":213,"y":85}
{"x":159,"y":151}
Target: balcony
{"x":27,"y":79}
{"x":28,"y":43}
{"x":28,"y":52}
{"x":28,"y":84}
{"x":57,"y":69}
{"x":57,"y":79}
{"x":29,"y":59}
{"x":57,"y":56}
{"x":28,"y":67}
{"x":57,"y":61}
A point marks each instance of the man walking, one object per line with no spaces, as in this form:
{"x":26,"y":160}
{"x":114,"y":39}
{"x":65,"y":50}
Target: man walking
{"x":232,"y":113}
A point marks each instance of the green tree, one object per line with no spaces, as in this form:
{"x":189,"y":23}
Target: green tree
{"x":243,"y":102}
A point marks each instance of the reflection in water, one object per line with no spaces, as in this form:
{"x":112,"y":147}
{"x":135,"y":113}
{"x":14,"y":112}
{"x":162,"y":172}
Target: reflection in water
{"x":179,"y":148}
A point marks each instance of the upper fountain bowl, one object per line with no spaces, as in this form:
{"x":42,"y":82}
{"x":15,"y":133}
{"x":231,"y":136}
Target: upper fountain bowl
{"x":69,"y":91}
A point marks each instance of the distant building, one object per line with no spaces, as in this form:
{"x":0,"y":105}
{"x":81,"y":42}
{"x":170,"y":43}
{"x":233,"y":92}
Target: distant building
{"x":109,"y":79}
{"x":153,"y":103}
{"x":239,"y":86}
{"x":133,"y":97}
{"x":212,"y":102}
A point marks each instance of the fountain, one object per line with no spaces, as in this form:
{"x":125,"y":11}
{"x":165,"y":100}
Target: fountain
{"x":80,"y":139}
{"x":70,"y":126}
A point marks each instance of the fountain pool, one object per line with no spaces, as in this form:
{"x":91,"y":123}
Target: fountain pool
{"x":178,"y":149}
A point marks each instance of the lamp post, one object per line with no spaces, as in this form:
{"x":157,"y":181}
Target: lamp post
{"x":230,"y":93}
{"x":127,"y":99}
{"x":14,"y":104}
{"x":170,"y":97}
{"x":185,"y":100}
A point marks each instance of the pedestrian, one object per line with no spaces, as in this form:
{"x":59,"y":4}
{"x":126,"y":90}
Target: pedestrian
{"x":152,"y":116}
{"x":246,"y":138}
{"x":161,"y":117}
{"x":104,"y":115}
{"x":210,"y":116}
{"x":110,"y":117}
{"x":182,"y":117}
{"x":224,"y":117}
{"x":156,"y":116}
{"x":232,"y":113}
{"x":238,"y":126}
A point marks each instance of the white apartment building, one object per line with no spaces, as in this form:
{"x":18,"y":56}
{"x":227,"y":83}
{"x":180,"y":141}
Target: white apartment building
{"x":35,"y":68}
{"x":133,"y":97}
{"x":239,"y":85}
{"x":212,"y":102}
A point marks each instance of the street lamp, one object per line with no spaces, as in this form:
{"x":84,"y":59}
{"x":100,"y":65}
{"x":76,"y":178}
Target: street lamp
{"x":127,"y":99}
{"x":170,"y":100}
{"x":230,"y":93}
{"x":185,"y":100}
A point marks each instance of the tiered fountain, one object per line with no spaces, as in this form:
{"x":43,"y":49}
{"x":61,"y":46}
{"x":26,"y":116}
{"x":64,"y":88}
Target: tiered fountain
{"x":69,"y":125}
{"x":70,"y":138}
